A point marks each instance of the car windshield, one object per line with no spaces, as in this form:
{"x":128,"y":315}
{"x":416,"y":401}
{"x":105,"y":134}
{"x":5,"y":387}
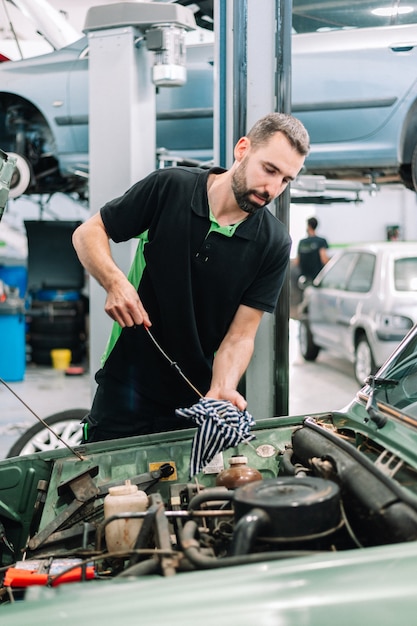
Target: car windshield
{"x":32,"y":27}
{"x":396,"y":382}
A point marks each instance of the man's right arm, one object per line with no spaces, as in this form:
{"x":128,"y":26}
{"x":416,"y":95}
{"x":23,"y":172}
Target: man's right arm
{"x":324,"y":257}
{"x":92,"y":245}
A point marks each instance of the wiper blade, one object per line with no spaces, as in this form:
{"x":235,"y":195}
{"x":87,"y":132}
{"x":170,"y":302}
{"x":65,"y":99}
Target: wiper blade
{"x":381,"y":382}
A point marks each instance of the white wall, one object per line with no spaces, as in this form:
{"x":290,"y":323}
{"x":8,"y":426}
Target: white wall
{"x":76,"y":10}
{"x":344,"y":223}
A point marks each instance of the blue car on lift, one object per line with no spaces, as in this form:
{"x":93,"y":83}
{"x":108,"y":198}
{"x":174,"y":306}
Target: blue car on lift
{"x":44,"y":115}
{"x":354,"y":87}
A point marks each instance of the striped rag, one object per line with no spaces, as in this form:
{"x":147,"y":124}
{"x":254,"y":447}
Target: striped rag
{"x":220,"y":425}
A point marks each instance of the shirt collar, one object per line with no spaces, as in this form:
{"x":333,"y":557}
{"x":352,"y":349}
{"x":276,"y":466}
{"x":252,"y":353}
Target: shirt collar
{"x":247,"y":229}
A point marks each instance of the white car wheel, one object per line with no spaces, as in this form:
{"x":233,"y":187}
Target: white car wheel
{"x":38,"y":438}
{"x":309,"y":350}
{"x":364,"y":361}
{"x":21,"y":176}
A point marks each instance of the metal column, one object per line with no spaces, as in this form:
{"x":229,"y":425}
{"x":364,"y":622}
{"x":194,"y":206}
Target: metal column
{"x":122,"y":146}
{"x":122,"y":119}
{"x":253,"y":52}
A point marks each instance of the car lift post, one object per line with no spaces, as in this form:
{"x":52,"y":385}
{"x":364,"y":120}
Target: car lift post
{"x":253,"y":57}
{"x":122,"y":119}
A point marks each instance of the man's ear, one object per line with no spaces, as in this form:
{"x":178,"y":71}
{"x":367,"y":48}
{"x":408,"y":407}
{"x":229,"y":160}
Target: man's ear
{"x":241,"y":148}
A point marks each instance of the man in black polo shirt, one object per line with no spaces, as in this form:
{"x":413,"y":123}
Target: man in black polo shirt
{"x":312,"y":252}
{"x":211,"y":258}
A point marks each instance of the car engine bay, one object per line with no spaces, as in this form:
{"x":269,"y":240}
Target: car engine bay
{"x":324,"y":487}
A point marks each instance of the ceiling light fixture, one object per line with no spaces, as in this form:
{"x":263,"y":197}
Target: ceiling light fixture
{"x":392,"y":11}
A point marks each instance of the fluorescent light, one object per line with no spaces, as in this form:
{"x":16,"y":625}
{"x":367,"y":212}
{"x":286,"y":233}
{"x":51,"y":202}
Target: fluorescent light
{"x":392,"y":11}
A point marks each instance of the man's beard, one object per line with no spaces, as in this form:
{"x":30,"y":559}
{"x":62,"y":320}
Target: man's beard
{"x":242,"y":193}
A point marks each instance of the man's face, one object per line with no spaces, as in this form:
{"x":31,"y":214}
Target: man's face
{"x":249,"y":200}
{"x":262,"y":174}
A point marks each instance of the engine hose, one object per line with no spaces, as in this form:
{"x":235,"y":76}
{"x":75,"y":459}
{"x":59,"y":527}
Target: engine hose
{"x":391,"y":510}
{"x":246,"y":530}
{"x":192,"y":551}
{"x":144,"y":568}
{"x":286,"y":463}
{"x":208,"y":495}
{"x":289,"y":468}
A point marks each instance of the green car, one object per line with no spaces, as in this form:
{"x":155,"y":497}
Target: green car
{"x":316,"y":525}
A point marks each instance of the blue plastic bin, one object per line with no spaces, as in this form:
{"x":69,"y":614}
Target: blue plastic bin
{"x":12,"y":341}
{"x":15,"y":276}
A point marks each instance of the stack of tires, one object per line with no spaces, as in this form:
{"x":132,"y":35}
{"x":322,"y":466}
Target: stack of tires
{"x":57,"y":309}
{"x":59,"y":322}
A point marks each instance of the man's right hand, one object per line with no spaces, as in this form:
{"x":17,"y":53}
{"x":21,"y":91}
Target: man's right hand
{"x":92,"y":245}
{"x":124,"y":306}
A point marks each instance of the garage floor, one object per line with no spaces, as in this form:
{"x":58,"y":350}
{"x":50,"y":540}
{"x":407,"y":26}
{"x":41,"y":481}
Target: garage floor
{"x":326,"y":384}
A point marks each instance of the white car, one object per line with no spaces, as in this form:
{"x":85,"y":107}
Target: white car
{"x":361,"y":304}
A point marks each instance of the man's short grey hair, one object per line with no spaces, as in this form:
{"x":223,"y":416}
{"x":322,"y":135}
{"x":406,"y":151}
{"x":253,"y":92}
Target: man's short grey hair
{"x":273,"y":123}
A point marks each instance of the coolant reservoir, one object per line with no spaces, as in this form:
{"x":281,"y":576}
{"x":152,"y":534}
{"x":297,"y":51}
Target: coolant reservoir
{"x":239,"y":473}
{"x":121,"y":534}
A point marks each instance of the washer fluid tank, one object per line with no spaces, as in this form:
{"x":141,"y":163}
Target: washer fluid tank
{"x":121,"y":534}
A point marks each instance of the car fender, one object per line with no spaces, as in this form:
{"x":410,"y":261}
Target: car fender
{"x":364,"y":324}
{"x":408,"y":135}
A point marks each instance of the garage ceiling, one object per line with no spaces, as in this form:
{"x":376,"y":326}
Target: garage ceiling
{"x":308,"y":15}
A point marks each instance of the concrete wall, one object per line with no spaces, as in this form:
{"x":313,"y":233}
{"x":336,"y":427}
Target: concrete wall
{"x":345,"y":223}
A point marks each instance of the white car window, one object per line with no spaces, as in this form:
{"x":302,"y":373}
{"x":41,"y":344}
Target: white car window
{"x":362,"y":274}
{"x":338,"y":275}
{"x":405,"y":274}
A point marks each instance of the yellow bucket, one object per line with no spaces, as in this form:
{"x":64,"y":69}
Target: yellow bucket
{"x":61,"y":358}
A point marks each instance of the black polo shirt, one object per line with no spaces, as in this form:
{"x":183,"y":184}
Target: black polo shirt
{"x":193,"y":282}
{"x":309,"y":254}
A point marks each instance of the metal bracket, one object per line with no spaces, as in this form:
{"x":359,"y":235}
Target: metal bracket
{"x":83,"y":489}
{"x":388,"y":463}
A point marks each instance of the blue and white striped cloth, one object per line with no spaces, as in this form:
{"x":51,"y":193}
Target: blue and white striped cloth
{"x":220,"y":425}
